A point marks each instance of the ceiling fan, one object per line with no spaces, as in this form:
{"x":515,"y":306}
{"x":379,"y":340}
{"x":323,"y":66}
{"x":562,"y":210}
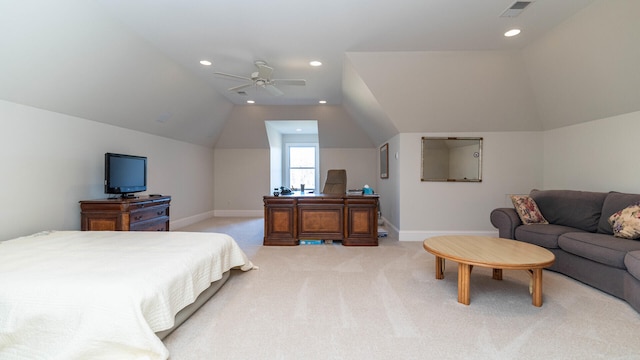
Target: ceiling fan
{"x":262,"y":78}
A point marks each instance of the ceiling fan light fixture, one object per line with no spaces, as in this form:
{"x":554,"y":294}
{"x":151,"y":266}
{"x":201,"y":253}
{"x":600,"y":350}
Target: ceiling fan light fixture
{"x":512,"y":32}
{"x":261,"y":79}
{"x":206,"y":62}
{"x":315,"y":63}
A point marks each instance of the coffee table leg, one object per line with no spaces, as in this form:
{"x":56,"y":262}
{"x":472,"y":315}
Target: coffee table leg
{"x":497,"y":274}
{"x":537,"y":287}
{"x":439,"y":268}
{"x":464,"y":276}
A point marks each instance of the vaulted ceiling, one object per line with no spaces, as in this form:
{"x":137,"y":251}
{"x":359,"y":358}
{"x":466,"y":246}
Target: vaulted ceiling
{"x":388,"y":66}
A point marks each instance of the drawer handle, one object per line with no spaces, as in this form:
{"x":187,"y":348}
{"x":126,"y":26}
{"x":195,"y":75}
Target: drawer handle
{"x":137,"y":218}
{"x":160,"y":212}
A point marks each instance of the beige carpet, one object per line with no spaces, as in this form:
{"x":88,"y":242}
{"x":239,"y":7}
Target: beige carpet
{"x":335,"y":302}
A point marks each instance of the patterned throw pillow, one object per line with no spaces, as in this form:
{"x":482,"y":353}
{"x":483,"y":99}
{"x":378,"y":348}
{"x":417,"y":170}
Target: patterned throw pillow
{"x":626,"y":222}
{"x":527,"y":210}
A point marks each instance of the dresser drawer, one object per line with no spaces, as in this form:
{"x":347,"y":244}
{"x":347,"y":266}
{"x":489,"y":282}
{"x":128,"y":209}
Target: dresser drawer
{"x":156,"y":224}
{"x":147,"y":213}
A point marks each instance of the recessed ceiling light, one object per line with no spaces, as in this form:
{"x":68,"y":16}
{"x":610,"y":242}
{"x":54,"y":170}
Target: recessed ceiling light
{"x":512,"y":32}
{"x":205,"y":62}
{"x":322,"y":101}
{"x":251,"y":101}
{"x":298,"y":130}
{"x":315,"y":63}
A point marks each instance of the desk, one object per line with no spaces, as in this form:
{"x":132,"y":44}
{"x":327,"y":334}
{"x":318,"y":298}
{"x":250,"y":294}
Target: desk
{"x":352,"y":219}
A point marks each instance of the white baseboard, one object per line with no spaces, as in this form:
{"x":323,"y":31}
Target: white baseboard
{"x":239,"y":213}
{"x":418,"y":235}
{"x":391,"y":229}
{"x":412,"y":235}
{"x":184,"y":222}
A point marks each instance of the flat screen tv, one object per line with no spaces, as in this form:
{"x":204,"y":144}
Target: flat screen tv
{"x":124,"y":174}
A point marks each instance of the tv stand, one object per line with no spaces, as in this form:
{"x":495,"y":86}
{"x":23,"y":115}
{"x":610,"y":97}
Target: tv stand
{"x":142,"y":213}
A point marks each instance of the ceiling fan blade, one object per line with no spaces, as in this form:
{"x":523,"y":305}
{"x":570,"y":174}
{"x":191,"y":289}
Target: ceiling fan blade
{"x":264,"y":72}
{"x":273,"y":90}
{"x":290,"y":81}
{"x":232,"y":76}
{"x":236,"y":88}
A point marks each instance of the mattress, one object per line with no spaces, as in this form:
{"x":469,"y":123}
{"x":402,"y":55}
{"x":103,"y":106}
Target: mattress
{"x":101,"y":294}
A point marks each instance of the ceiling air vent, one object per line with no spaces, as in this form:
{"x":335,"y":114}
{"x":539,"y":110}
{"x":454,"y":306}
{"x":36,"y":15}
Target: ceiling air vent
{"x":242,"y":93}
{"x":516,"y":8}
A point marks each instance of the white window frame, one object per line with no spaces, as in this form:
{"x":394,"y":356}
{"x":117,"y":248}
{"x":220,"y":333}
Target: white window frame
{"x":285,"y":165}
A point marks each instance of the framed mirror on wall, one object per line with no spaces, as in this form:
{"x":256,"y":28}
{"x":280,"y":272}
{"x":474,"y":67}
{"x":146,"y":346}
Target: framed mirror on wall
{"x":452,"y":159}
{"x":384,"y":161}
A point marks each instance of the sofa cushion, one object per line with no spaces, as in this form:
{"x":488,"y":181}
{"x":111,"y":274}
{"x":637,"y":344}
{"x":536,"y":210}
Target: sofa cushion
{"x":602,"y":248}
{"x":527,"y":210}
{"x":578,"y":209}
{"x":542,"y":234}
{"x":632,"y":262}
{"x":613,"y":203}
{"x":626,"y":222}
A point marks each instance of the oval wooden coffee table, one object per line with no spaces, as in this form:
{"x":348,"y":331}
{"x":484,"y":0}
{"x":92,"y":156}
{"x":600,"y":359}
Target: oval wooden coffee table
{"x":495,"y":253}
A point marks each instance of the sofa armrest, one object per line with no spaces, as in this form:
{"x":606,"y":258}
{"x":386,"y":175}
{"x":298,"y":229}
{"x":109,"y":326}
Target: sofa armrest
{"x":506,"y":220}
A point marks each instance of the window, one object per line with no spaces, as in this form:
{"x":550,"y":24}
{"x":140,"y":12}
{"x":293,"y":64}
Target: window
{"x":302,"y":166}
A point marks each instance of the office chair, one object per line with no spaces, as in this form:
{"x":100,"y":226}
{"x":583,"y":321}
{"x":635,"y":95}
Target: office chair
{"x":336,"y":182}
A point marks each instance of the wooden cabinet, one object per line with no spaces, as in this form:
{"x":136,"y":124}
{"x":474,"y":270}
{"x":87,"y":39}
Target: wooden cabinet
{"x":144,"y":213}
{"x":320,"y":218}
{"x":350,"y":219}
{"x":281,"y":229}
{"x":362,"y":221}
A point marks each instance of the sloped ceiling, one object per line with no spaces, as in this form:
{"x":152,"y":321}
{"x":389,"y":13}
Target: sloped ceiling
{"x":69,"y":57}
{"x":404,"y":66}
{"x":451,"y":91}
{"x":245,"y":127}
{"x":363,"y":106}
{"x":587,"y":68}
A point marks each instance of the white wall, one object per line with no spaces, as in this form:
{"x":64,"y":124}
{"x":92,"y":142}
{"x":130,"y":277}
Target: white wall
{"x":242,"y":178}
{"x":50,"y":161}
{"x":511,"y":164}
{"x":389,"y":189}
{"x":275,"y":155}
{"x":596,"y":156}
{"x":593,"y":156}
{"x":600,"y":155}
{"x":361,"y":166}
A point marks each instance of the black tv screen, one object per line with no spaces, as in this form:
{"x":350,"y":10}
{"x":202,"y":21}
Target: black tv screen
{"x":124,"y":174}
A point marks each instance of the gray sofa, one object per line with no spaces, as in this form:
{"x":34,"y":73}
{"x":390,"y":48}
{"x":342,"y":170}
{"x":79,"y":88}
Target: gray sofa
{"x":581,"y":238}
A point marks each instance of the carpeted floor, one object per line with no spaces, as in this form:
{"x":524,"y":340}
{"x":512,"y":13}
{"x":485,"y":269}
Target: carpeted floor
{"x":335,"y":302}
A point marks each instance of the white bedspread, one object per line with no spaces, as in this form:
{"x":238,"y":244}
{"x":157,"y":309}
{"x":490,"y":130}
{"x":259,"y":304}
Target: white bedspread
{"x":101,"y":294}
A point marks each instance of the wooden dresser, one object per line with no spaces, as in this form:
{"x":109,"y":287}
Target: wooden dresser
{"x":144,"y":213}
{"x":350,"y":219}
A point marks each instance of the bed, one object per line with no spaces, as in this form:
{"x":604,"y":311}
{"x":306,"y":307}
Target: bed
{"x":103,"y":294}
